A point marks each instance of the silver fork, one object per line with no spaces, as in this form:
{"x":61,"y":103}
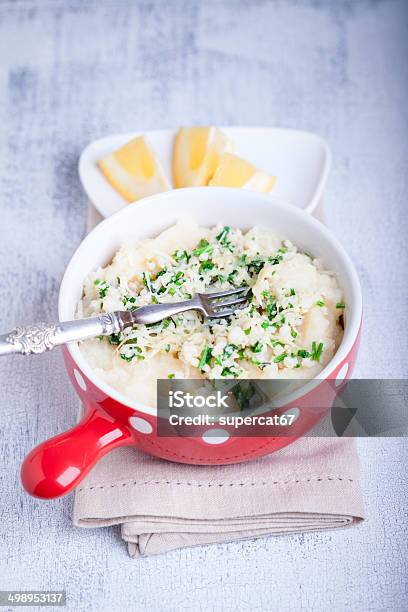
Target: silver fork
{"x":44,"y":336}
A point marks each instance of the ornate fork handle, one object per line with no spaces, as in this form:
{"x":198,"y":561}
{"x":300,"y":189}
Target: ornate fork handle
{"x":34,"y":339}
{"x":43,"y":336}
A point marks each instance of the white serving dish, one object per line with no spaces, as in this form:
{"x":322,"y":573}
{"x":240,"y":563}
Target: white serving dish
{"x":300,"y":160}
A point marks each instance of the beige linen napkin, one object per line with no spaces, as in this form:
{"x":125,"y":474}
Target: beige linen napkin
{"x":311,"y":485}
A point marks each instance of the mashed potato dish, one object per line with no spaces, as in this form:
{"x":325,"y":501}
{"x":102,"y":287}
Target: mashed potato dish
{"x":290,"y":327}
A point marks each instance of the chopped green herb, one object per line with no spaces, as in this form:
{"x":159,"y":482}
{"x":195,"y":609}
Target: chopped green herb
{"x":171,"y":376}
{"x":205,"y":357}
{"x":230,"y":277}
{"x":147,"y":281}
{"x":243,"y":394}
{"x":257,"y":347}
{"x":280,"y":358}
{"x":317,"y":351}
{"x":265,"y":324}
{"x":203,"y":247}
{"x":320,"y":303}
{"x":223,"y":238}
{"x":160,"y":273}
{"x":293,"y":333}
{"x":97,"y":281}
{"x":260,"y":364}
{"x":229,"y":372}
{"x":103,"y":290}
{"x":167,"y":348}
{"x":340,"y":305}
{"x":292,"y":291}
{"x":272,"y":309}
{"x":130,"y":357}
{"x":303,"y":353}
{"x":255,"y":266}
{"x":275,"y":260}
{"x":206,"y":265}
{"x":181,"y":255}
{"x":228,"y":350}
{"x":128,"y":299}
{"x":247,"y":331}
{"x":115,"y":339}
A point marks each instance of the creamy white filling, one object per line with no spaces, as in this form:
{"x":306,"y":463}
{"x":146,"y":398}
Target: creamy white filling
{"x":289,"y":329}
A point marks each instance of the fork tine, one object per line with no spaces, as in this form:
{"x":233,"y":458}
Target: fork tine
{"x":220,"y":294}
{"x":218,"y":313}
{"x":224,"y":303}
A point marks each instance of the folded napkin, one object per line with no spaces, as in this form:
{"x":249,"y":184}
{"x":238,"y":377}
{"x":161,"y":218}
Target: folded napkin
{"x":311,"y":485}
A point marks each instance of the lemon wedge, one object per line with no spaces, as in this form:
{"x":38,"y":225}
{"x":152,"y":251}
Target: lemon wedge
{"x":134,"y":171}
{"x":233,"y":171}
{"x":196,"y":154}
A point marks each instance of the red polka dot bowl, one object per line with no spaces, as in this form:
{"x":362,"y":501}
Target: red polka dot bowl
{"x":111,"y":420}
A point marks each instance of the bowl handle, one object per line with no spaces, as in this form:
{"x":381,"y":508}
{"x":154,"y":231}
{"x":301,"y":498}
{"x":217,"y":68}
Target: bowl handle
{"x":58,"y":465}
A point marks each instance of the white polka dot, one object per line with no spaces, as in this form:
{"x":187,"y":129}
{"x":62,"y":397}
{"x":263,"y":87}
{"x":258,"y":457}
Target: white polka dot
{"x":341,"y":374}
{"x":216,"y":436}
{"x":294,"y":412}
{"x":141,"y":425}
{"x":79,"y":379}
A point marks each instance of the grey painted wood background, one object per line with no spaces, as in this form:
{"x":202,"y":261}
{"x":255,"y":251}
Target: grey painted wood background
{"x":74,"y":71}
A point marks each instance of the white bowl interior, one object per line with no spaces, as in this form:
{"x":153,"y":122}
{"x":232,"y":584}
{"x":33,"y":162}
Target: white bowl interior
{"x":208,"y":206}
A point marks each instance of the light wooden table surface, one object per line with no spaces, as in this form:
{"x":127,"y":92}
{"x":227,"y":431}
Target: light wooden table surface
{"x":74,"y":71}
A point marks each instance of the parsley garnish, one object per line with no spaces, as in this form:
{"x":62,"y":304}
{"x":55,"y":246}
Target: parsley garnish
{"x":206,"y":265}
{"x":340,"y":305}
{"x":257,"y":347}
{"x":115,"y":339}
{"x":181,"y":255}
{"x":205,"y":357}
{"x":229,"y":372}
{"x":228,"y":350}
{"x":130,"y":357}
{"x":223,"y":238}
{"x":203,"y":247}
{"x":103,"y":290}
